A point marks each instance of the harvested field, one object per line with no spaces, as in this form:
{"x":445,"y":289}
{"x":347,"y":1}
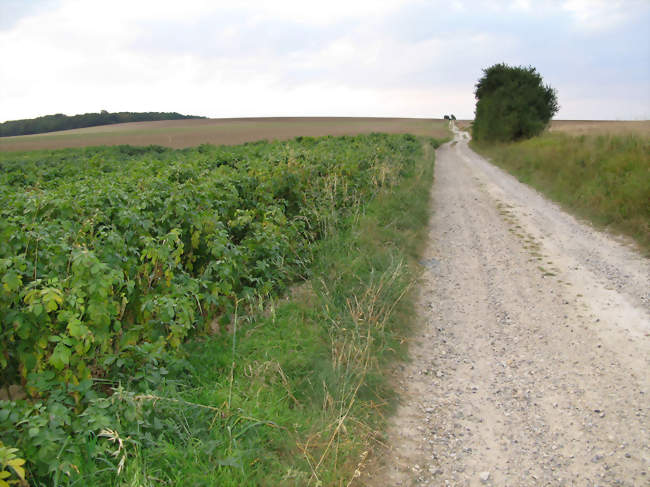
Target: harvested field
{"x":589,"y":127}
{"x":601,"y":127}
{"x":188,"y":133}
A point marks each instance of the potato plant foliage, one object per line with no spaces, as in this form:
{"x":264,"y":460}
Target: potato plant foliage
{"x":111,"y":258}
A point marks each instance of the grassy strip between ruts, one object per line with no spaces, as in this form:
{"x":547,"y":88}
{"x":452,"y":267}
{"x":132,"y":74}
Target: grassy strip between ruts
{"x":604,"y":178}
{"x":298,"y":393}
{"x":290,"y":394}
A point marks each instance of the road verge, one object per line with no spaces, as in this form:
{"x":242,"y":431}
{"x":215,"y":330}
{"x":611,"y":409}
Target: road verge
{"x":603,"y":178}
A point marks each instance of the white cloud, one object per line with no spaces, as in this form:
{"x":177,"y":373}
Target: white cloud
{"x":402,"y":58}
{"x":322,"y":12}
{"x":597,"y":15}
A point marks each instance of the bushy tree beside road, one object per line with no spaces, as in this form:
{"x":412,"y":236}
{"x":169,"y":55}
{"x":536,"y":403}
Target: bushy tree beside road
{"x":512,"y":103}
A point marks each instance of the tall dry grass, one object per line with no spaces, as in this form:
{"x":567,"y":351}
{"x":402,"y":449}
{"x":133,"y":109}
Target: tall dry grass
{"x":604,"y":178}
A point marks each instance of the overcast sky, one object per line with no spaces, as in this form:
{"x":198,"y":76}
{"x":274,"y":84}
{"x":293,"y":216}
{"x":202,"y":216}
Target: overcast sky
{"x":246,"y":58}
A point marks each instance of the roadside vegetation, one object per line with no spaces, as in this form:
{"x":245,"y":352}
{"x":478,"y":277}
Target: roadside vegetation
{"x":208,"y":316}
{"x":604,"y":178}
{"x":52,"y":123}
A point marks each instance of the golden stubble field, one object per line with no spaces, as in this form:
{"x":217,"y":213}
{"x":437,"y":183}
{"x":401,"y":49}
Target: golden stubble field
{"x":601,"y":127}
{"x":591,"y":127}
{"x":188,"y":133}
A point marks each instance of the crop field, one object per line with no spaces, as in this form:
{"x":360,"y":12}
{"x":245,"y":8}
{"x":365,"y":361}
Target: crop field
{"x":144,"y":311}
{"x":601,"y":127}
{"x":189,"y":133}
{"x":591,"y":127}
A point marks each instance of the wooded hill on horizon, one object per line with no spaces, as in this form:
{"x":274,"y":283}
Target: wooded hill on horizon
{"x":59,"y":121}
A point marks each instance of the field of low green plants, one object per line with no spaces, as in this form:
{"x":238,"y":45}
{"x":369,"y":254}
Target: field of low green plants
{"x":205,"y":316}
{"x":605,"y":178}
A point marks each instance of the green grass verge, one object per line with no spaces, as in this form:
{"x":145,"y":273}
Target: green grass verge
{"x":604,"y":178}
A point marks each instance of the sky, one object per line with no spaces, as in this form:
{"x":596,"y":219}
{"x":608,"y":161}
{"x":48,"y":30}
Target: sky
{"x":245,"y":58}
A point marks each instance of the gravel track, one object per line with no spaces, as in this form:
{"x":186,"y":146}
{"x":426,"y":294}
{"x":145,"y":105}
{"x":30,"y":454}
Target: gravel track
{"x":531,"y":365}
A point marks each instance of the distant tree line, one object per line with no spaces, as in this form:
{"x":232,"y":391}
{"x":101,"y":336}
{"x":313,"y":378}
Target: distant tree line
{"x":51,"y":123}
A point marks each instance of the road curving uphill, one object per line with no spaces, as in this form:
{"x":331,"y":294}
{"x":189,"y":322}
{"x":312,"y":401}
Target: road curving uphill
{"x":531,"y":363}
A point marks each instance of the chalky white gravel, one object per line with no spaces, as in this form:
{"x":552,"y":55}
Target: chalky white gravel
{"x":531,"y":365}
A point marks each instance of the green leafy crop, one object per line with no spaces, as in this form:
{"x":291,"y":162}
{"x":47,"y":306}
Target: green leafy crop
{"x":112,"y":258}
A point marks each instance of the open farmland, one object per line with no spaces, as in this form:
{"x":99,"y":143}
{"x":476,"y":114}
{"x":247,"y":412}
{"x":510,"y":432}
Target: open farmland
{"x":180,"y":134}
{"x":590,"y":127}
{"x":602,"y":127}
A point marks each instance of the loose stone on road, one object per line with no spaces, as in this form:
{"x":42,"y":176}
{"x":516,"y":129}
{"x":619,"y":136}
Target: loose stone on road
{"x":531,"y":365}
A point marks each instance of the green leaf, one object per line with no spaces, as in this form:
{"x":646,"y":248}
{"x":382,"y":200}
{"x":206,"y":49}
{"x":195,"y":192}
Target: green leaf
{"x":12,"y":281}
{"x":60,"y":356}
{"x":50,"y":306}
{"x":52,"y":299}
{"x":31,"y":296}
{"x":196,"y":236}
{"x":38,"y":309}
{"x":17,"y":466}
{"x":77,"y":329}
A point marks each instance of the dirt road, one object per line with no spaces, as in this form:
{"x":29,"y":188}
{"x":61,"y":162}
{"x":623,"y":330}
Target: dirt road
{"x":532,"y":364}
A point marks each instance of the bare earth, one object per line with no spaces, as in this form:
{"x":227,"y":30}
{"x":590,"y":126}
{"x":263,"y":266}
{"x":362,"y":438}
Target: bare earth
{"x":531,"y":367}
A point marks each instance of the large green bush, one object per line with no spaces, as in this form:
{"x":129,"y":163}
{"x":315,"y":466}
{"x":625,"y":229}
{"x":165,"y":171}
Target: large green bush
{"x":512,"y":104}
